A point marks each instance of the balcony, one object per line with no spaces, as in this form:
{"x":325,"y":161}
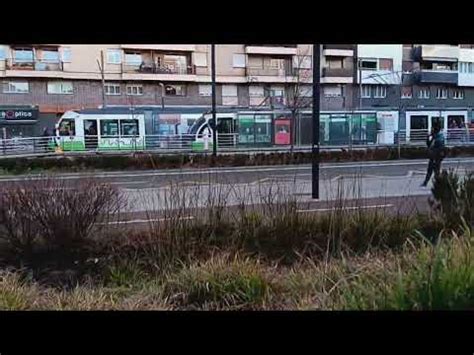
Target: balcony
{"x":269,"y":72}
{"x":338,"y":72}
{"x":339,"y":46}
{"x":270,"y":49}
{"x":437,"y":76}
{"x":152,"y":68}
{"x":436,"y":53}
{"x":162,"y":47}
{"x":34,"y":65}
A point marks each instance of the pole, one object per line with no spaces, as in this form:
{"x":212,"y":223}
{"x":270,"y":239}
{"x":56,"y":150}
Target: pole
{"x":316,"y":118}
{"x":360,"y":84}
{"x":101,"y":67}
{"x":214,"y":118}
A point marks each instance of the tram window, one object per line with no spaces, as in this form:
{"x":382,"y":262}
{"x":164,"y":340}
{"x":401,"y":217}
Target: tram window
{"x":67,"y":128}
{"x":418,"y":122}
{"x":129,"y":127}
{"x":109,"y":128}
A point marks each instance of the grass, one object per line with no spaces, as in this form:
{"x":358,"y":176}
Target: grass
{"x":262,"y":258}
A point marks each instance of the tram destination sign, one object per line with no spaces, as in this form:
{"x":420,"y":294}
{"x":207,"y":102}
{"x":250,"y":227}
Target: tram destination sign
{"x":18,"y":114}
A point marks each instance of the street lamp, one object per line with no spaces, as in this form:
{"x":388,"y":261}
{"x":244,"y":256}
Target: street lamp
{"x":214,"y":118}
{"x":316,"y":118}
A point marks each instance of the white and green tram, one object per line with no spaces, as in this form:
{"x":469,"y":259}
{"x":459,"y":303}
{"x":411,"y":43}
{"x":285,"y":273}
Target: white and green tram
{"x":78,"y":131}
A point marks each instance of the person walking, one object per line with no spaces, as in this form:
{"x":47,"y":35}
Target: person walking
{"x":436,"y":153}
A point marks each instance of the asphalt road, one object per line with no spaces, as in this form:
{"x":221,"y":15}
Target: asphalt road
{"x":391,"y":185}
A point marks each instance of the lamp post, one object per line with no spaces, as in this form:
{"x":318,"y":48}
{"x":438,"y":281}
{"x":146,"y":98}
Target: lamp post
{"x":316,"y":118}
{"x":214,"y":118}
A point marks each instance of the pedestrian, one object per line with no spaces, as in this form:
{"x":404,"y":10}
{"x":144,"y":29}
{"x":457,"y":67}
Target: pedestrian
{"x":436,"y":152}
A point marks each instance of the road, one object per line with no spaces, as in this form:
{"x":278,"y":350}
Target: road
{"x":391,"y":185}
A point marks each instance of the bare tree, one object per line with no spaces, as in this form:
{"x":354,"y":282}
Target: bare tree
{"x":298,"y":90}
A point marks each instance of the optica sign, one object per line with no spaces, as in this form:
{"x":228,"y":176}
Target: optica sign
{"x":19,"y":114}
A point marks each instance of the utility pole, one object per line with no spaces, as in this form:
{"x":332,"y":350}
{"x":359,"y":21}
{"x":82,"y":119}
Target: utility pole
{"x":214,"y":118}
{"x":101,"y":68}
{"x":316,"y":119}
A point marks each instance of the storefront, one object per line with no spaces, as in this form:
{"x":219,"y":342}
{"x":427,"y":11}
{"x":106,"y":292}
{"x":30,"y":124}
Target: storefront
{"x":18,"y":121}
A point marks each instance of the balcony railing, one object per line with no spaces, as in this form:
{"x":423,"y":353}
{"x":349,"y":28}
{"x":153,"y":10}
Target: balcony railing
{"x":338,"y":72}
{"x":339,"y":46}
{"x":269,"y":72}
{"x":35,"y":65}
{"x":435,"y":76}
{"x":151,"y":68}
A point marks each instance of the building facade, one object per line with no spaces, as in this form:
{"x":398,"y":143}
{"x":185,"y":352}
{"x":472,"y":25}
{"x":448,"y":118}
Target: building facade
{"x":48,"y":80}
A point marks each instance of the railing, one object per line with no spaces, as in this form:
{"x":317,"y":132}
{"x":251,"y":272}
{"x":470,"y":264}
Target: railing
{"x":251,"y":71}
{"x":180,"y":143}
{"x":38,"y":65}
{"x":338,"y":72}
{"x":151,"y":68}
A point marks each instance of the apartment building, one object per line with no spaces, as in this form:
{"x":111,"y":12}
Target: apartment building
{"x":40,"y":82}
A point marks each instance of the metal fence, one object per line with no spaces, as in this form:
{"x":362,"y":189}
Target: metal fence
{"x":225,"y":143}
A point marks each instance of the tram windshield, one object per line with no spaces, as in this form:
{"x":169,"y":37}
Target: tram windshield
{"x":67,"y":127}
{"x":195,"y":127}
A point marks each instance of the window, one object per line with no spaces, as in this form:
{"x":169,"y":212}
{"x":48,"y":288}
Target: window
{"x":3,"y":52}
{"x":424,"y":93}
{"x":229,"y":95}
{"x":129,"y":128}
{"x":366,"y":91}
{"x":407,"y":92}
{"x":335,"y":63}
{"x":368,"y":64}
{"x":306,"y":91}
{"x":205,"y":90}
{"x":277,"y":63}
{"x":385,"y":64}
{"x":380,"y":91}
{"x":238,"y":61}
{"x":67,"y":127}
{"x":60,"y":87}
{"x":50,"y":56}
{"x":66,"y":54}
{"x":175,"y":90}
{"x":112,"y":89}
{"x":229,"y":90}
{"x":133,"y":58}
{"x":442,"y":93}
{"x":22,"y":55}
{"x":332,"y":91}
{"x":466,"y":67}
{"x":458,"y":94}
{"x":114,"y":56}
{"x":134,"y":90}
{"x":256,"y":91}
{"x":200,"y":59}
{"x":15,"y":87}
{"x":109,"y":128}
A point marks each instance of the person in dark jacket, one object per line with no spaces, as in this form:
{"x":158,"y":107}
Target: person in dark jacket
{"x":435,"y":143}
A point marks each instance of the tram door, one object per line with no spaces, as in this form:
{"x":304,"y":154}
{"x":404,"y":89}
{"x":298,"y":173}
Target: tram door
{"x":91,"y":139}
{"x":225,"y":131}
